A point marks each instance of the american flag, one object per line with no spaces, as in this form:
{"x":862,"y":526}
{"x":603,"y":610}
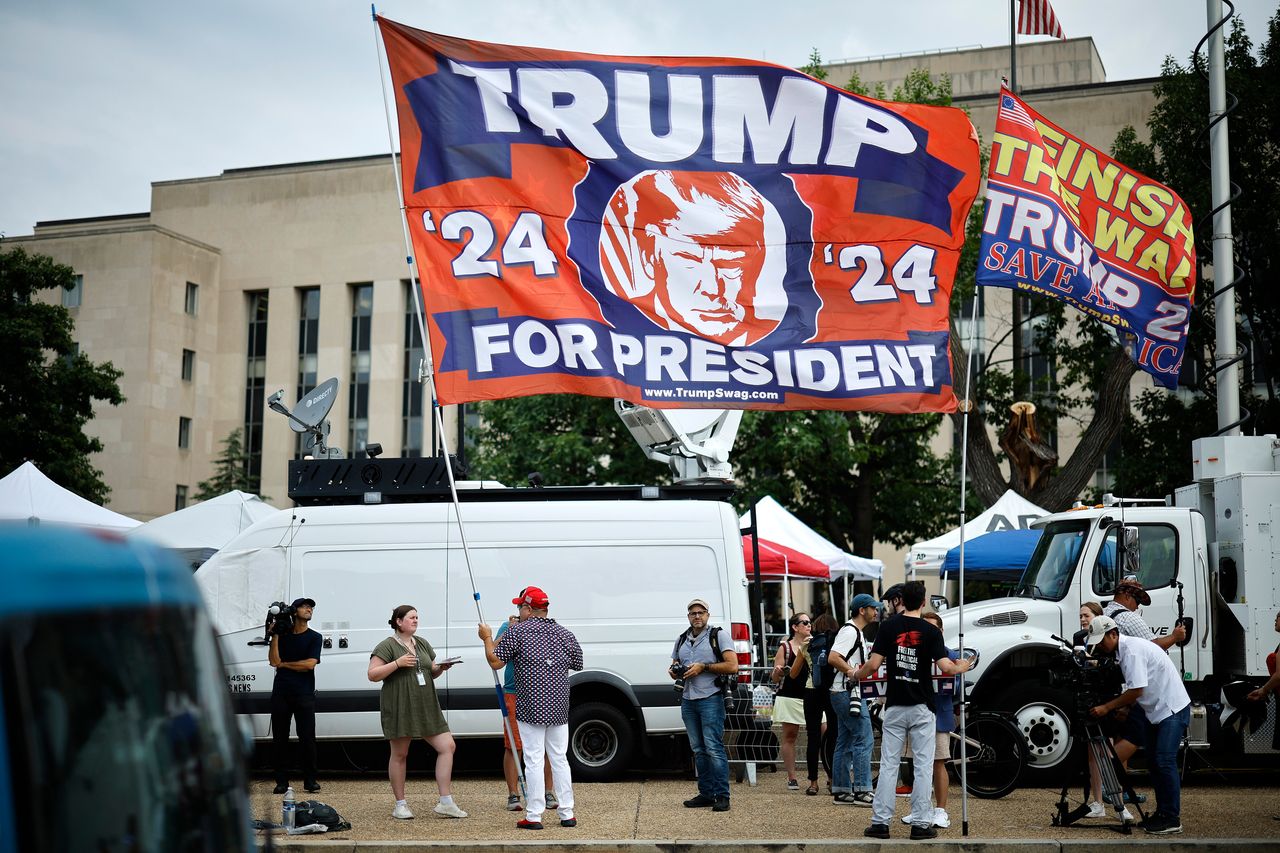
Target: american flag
{"x":1012,"y":110}
{"x":1035,"y":17}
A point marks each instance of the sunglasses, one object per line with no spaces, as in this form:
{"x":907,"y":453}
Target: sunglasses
{"x":697,"y":613}
{"x":804,"y":622}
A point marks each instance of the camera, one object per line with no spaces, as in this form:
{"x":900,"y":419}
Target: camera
{"x":279,"y":618}
{"x":1090,"y":681}
{"x":677,"y":672}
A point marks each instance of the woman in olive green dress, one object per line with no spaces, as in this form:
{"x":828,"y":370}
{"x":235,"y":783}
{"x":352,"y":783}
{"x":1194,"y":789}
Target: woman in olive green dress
{"x":404,"y":663}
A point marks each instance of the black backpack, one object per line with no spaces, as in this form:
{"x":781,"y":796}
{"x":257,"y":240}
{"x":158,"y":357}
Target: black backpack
{"x":823,"y":672}
{"x":314,"y":811}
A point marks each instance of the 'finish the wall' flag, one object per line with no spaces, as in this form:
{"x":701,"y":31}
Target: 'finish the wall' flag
{"x":677,"y":232}
{"x":1066,"y":221}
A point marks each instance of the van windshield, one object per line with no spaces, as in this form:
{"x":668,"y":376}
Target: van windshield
{"x":120,"y":723}
{"x":1053,"y":564}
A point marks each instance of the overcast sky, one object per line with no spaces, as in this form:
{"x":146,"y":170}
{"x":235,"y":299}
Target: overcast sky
{"x":98,"y":98}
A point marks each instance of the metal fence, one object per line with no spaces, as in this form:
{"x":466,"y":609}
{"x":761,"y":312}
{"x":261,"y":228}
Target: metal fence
{"x":753,"y":739}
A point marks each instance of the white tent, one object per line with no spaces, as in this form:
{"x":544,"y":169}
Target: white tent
{"x":28,"y":495}
{"x":201,"y":529}
{"x":1011,"y":512}
{"x":776,"y":524}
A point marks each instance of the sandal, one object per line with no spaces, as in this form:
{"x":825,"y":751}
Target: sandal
{"x":812,"y":790}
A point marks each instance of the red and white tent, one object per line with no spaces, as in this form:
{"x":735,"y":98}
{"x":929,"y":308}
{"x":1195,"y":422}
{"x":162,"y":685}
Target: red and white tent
{"x":780,"y":562}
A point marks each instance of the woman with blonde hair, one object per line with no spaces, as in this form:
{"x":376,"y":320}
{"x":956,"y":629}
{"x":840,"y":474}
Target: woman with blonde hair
{"x":405,"y":664}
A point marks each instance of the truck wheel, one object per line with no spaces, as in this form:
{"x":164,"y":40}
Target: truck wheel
{"x":1040,"y":713}
{"x":600,"y":742}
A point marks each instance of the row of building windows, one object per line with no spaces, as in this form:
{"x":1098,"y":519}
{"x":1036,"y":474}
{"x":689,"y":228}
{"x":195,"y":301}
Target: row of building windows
{"x":358,"y":379}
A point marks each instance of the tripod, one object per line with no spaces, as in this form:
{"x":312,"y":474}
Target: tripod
{"x":1114,"y":778}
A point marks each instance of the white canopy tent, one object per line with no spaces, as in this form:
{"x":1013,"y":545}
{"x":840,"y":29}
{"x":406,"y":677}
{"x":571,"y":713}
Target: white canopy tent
{"x":1011,"y":512}
{"x":777,"y":524}
{"x":27,"y":494}
{"x":197,"y":531}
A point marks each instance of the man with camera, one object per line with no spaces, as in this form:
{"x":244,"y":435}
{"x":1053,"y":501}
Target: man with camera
{"x":699,"y":662}
{"x":1154,"y":685}
{"x":854,"y":740}
{"x":295,"y":653}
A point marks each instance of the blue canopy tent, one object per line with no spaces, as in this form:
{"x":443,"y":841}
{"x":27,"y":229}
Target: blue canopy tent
{"x":999,"y":556}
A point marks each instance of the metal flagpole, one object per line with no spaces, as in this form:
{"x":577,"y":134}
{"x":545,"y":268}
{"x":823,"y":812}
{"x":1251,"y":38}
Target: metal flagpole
{"x":427,"y":374}
{"x":964,"y":470}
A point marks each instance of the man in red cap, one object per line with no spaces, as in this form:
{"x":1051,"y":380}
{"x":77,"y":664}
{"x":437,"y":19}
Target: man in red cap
{"x":544,"y":653}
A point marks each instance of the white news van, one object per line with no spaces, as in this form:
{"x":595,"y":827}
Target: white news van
{"x":619,"y":574}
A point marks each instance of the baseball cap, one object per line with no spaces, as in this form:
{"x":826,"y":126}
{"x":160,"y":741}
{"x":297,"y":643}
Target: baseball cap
{"x":698,"y":601}
{"x":1098,"y":629}
{"x":862,"y":600}
{"x":1134,"y":588}
{"x":302,"y":602}
{"x":532,"y":596}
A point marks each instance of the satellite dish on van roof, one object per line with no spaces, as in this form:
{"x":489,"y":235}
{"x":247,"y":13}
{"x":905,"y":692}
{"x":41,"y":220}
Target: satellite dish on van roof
{"x":309,"y":416}
{"x":313,"y":406}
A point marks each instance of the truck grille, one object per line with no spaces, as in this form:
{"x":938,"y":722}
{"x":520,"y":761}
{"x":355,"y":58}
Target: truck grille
{"x":1008,"y":617}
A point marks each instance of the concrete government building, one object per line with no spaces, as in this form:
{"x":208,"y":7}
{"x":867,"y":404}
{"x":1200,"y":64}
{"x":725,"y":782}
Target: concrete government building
{"x":278,"y":277}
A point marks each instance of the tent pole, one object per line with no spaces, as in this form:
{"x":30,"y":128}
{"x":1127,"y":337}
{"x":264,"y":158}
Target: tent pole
{"x":755,"y":573}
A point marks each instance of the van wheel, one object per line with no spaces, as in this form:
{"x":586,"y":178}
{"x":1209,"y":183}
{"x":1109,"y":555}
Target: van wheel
{"x":1039,"y":712}
{"x":600,"y":742}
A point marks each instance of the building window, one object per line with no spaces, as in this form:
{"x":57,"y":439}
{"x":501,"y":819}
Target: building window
{"x":358,"y":407}
{"x":184,"y":433}
{"x":188,"y":365}
{"x":308,"y":348}
{"x":192,"y":306}
{"x":71,"y":298}
{"x":255,"y":383}
{"x":180,"y":498}
{"x":964,"y":319}
{"x":411,"y":398}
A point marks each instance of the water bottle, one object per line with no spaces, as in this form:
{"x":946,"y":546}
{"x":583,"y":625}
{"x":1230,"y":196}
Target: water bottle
{"x":290,"y":807}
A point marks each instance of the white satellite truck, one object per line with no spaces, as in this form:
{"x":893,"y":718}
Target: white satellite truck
{"x":1210,"y":556}
{"x":619,"y":564}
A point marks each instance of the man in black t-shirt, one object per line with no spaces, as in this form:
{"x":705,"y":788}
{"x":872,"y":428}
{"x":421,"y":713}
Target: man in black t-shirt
{"x":295,"y":655}
{"x":909,"y":647}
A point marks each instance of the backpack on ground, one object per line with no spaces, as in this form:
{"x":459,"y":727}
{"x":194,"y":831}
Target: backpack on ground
{"x":314,"y":811}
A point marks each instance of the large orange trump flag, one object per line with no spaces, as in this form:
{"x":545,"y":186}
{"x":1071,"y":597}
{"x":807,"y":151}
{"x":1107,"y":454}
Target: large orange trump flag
{"x":677,"y":232}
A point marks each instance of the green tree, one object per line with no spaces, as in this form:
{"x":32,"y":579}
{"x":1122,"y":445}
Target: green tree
{"x":230,"y":471}
{"x":48,"y":388}
{"x":814,"y":67}
{"x":570,"y":440}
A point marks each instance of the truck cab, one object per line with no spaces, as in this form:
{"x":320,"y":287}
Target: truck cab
{"x":1208,"y":560}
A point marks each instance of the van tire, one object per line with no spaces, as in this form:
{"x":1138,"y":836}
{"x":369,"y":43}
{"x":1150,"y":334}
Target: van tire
{"x":601,"y":740}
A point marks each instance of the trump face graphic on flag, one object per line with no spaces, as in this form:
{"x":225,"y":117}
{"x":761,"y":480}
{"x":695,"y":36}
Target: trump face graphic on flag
{"x":699,"y":252}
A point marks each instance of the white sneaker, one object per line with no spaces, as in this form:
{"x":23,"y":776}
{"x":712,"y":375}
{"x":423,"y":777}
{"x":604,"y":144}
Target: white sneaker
{"x":1126,"y":815}
{"x":1096,"y":810}
{"x":449,"y":810}
{"x":401,"y":812}
{"x":941,"y":818}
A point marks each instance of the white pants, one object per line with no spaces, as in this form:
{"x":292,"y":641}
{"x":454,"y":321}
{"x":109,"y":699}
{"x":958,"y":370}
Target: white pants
{"x":553,"y":741}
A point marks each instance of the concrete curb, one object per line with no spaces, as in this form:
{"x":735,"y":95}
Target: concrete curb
{"x":831,"y":845}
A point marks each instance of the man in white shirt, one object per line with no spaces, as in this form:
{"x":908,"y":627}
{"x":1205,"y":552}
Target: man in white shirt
{"x":854,"y":740}
{"x":1154,"y":685}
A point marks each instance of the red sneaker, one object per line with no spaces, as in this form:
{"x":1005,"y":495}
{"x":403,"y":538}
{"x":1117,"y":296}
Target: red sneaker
{"x":528,"y":824}
{"x":903,"y":790}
